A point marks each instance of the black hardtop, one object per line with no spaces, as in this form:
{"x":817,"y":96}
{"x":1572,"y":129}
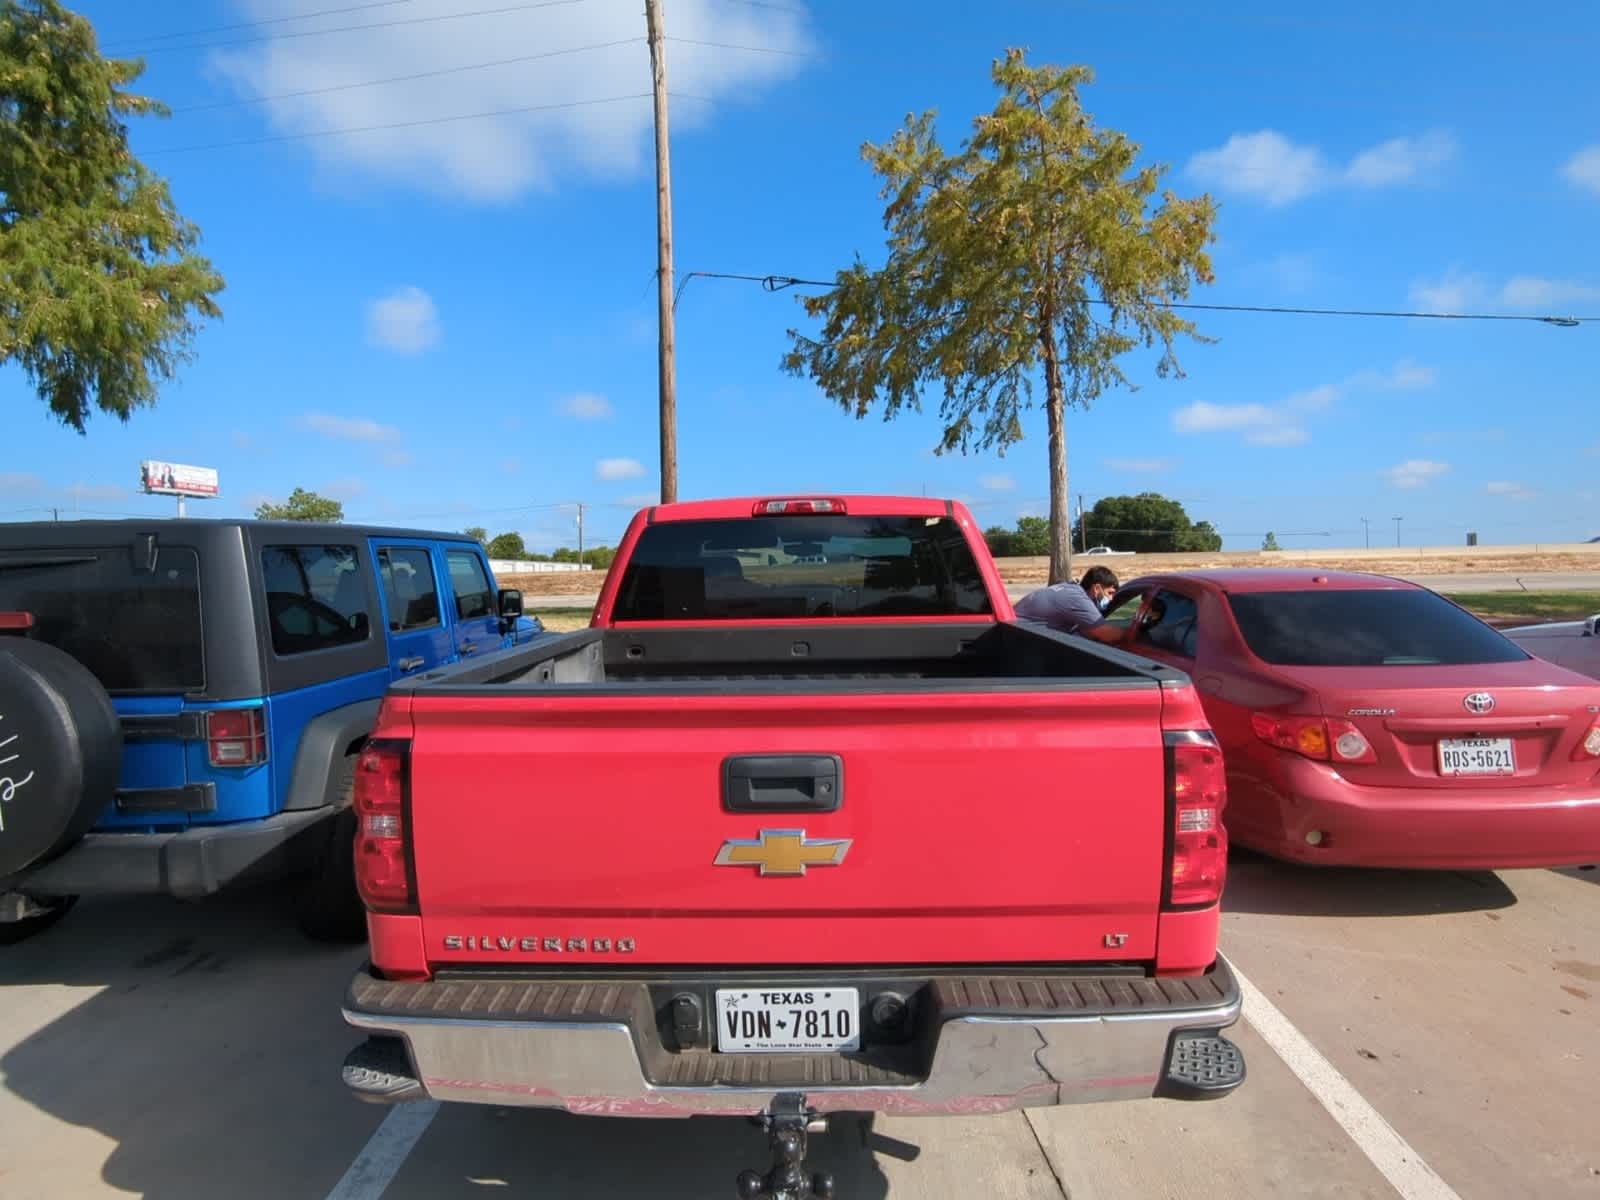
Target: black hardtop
{"x":15,"y":534}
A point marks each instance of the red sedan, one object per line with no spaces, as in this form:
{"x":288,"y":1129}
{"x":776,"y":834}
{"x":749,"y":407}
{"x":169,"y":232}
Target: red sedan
{"x":1367,"y":721}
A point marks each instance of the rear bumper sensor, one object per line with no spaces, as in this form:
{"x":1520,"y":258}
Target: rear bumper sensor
{"x":979,"y":1044}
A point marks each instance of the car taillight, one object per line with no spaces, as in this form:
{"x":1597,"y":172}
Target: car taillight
{"x":1197,"y":790}
{"x":383,"y":869}
{"x":1589,"y":747}
{"x":1322,"y":738}
{"x":236,"y":737}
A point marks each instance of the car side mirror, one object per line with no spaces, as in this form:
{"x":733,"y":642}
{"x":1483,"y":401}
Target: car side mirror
{"x":510,"y":602}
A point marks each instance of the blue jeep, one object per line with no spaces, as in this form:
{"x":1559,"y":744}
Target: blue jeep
{"x":182,"y":702}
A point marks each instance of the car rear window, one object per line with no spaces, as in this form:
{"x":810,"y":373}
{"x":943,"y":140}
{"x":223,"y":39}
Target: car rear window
{"x":137,"y":630}
{"x":1378,"y":628}
{"x":770,"y":568}
{"x":316,"y":598}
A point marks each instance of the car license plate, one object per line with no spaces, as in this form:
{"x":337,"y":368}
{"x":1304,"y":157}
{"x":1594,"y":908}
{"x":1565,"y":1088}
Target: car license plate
{"x":779,"y":1020}
{"x":1476,"y":756}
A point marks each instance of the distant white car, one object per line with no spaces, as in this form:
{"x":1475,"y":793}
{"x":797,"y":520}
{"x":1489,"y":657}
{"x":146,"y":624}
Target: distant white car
{"x":1102,"y":550}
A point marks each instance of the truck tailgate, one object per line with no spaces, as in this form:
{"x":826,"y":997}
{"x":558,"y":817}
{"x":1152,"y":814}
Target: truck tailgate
{"x":977,"y":827}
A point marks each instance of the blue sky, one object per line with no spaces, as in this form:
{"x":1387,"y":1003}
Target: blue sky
{"x":452,"y":323}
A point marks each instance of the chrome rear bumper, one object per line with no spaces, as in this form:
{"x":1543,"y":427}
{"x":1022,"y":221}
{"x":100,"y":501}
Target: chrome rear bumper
{"x":982,"y":1044}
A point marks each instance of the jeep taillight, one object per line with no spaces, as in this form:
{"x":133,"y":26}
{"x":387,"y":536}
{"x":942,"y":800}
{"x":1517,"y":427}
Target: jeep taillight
{"x":236,"y":737}
{"x":1197,"y":792}
{"x":383,"y":868}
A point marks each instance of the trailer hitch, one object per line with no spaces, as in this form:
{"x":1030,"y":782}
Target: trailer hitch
{"x":788,"y":1124}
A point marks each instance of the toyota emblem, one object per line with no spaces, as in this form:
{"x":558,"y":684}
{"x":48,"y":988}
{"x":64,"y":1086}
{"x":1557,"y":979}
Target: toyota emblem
{"x":1479,"y":703}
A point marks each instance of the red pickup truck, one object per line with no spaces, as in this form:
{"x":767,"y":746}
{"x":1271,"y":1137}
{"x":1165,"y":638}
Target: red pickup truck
{"x":806,"y":822}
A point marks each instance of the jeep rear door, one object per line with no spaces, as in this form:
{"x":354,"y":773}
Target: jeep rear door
{"x":477,"y":615}
{"x":419,"y":638}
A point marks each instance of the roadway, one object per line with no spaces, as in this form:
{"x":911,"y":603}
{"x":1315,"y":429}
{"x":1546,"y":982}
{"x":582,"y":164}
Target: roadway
{"x":189,"y":1051}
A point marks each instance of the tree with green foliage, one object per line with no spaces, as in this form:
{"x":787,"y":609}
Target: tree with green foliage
{"x":1148,"y":523}
{"x":101,"y":290}
{"x":1030,"y":539}
{"x":508,"y":545}
{"x":1037,"y":246}
{"x":302,"y":506}
{"x":478,"y":534}
{"x":1270,"y":542}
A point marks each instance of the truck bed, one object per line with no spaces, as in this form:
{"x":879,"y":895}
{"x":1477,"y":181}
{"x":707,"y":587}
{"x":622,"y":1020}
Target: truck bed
{"x":956,"y":655}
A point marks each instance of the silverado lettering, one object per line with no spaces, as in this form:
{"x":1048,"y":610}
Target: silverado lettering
{"x":531,"y":945}
{"x":1037,"y":858}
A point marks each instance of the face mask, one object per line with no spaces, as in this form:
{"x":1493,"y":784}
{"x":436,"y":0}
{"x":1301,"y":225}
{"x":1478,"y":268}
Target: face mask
{"x":1104,"y":602}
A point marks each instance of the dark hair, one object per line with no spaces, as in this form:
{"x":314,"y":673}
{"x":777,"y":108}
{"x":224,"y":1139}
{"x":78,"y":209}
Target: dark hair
{"x":1104,"y":576}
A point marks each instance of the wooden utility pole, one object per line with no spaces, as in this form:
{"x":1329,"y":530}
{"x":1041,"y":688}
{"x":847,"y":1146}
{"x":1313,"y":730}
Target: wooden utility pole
{"x":664,"y":276}
{"x":580,"y":534}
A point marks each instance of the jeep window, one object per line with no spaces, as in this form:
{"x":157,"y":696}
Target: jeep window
{"x":801,"y":567}
{"x":316,"y":598}
{"x":474,"y":596}
{"x":409,"y":589}
{"x":136,"y":630}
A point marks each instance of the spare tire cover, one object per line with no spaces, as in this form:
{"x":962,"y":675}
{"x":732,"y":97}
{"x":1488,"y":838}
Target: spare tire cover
{"x":60,"y":752}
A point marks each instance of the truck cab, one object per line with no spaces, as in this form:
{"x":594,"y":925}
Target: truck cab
{"x":183,"y":701}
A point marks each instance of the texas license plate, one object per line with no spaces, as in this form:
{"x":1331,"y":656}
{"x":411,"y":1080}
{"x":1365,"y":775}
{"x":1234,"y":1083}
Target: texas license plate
{"x":1476,"y":756}
{"x":776,"y":1020}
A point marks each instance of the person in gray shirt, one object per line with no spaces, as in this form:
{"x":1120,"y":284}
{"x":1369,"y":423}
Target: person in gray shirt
{"x":1075,"y":607}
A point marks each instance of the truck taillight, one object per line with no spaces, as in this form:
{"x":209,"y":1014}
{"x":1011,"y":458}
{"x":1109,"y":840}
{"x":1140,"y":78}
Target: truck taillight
{"x":787,"y":507}
{"x":1197,"y":791}
{"x":236,"y":737}
{"x":383,"y":868}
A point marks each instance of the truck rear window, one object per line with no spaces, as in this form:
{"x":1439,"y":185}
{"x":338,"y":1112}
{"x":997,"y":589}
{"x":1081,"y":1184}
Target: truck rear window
{"x":1380,"y":628}
{"x":772,"y":568}
{"x":136,"y":630}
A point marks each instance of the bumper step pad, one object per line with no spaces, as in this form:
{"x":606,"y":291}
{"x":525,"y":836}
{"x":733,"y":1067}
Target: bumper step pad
{"x":378,"y":1072}
{"x":1202,"y":1067}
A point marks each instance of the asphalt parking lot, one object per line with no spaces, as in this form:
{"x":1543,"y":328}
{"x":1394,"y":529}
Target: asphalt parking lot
{"x":190,"y":1052}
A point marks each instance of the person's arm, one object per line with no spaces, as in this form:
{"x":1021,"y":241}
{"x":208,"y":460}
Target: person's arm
{"x":1111,"y":635}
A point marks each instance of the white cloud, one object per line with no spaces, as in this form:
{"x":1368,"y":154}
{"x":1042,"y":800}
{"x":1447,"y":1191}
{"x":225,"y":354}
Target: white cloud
{"x":1452,"y":293}
{"x":20,"y":483}
{"x":566,"y":114}
{"x":1513,"y":491}
{"x":609,"y":470}
{"x":1530,"y":291}
{"x":405,"y":321}
{"x":997,"y":483}
{"x":1313,"y":400}
{"x":1583,"y":169}
{"x":1400,"y":160}
{"x":1415,"y":473}
{"x":349,"y":429}
{"x":1138,"y":466}
{"x":587,"y":406}
{"x":1406,"y":375}
{"x":1204,"y":417}
{"x":1282,"y":435}
{"x":1271,"y":168}
{"x":1265,"y":165}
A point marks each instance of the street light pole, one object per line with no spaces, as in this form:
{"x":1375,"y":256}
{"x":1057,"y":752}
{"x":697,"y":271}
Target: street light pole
{"x":1397,"y":521}
{"x":1366,"y":531}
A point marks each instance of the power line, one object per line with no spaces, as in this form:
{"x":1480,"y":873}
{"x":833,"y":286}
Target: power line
{"x":115,"y":47}
{"x":736,"y":46}
{"x":346,"y":87}
{"x":322,"y":133}
{"x":311,"y":33}
{"x":788,"y":8}
{"x":778,"y":283}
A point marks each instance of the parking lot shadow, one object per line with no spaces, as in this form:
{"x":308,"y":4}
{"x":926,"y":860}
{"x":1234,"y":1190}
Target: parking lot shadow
{"x":474,"y":1151}
{"x":1257,"y":884}
{"x":1589,"y":874}
{"x":205,"y":1044}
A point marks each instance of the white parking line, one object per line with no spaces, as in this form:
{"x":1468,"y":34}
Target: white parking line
{"x":386,"y":1150}
{"x":1402,"y":1166}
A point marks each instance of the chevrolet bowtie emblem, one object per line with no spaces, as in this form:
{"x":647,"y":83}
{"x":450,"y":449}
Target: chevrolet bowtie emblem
{"x":782,"y":852}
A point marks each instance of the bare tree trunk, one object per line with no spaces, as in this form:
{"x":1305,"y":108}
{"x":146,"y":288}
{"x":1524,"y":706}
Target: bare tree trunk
{"x":1055,"y":405}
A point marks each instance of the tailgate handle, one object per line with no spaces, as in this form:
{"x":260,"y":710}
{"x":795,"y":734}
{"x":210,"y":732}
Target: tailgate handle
{"x":760,"y":783}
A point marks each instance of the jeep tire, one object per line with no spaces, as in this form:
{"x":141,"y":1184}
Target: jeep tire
{"x":60,"y":753}
{"x":328,"y":907}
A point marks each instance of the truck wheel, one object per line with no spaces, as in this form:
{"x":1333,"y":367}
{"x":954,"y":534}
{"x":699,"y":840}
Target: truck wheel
{"x":60,"y":752}
{"x":329,"y":909}
{"x":12,"y":932}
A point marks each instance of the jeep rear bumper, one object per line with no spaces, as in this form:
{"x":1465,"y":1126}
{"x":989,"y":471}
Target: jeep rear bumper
{"x":601,"y":1045}
{"x":197,"y":861}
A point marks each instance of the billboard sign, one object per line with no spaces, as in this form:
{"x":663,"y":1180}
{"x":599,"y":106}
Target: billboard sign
{"x":175,"y":479}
